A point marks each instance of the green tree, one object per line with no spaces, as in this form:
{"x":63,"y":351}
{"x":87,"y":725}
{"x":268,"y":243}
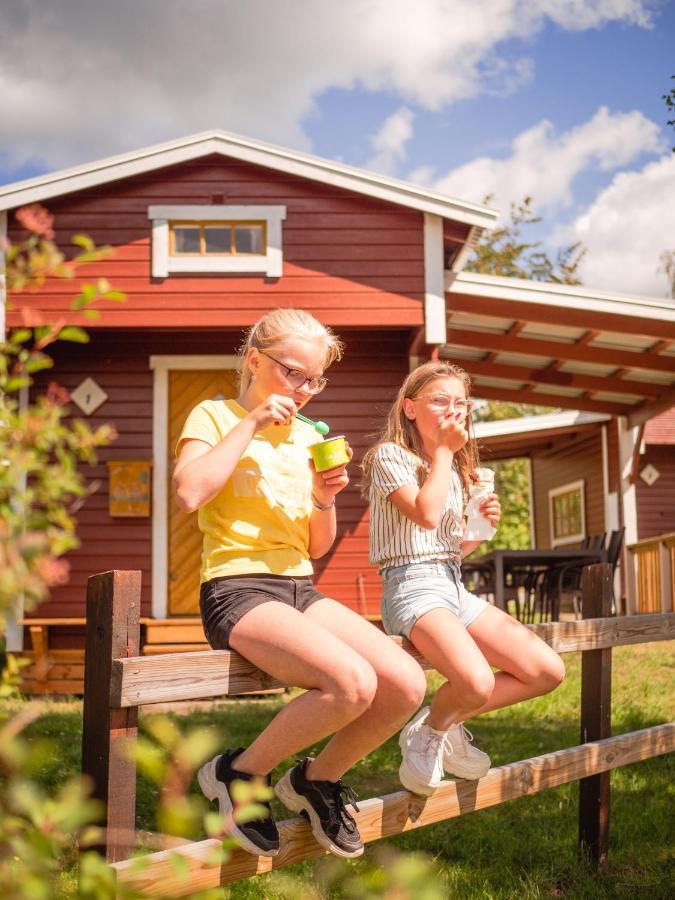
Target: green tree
{"x":667,"y":258}
{"x":40,"y":488}
{"x":505,"y":251}
{"x":669,"y":99}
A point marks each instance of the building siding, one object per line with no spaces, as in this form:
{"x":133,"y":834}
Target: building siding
{"x":353,"y":260}
{"x":581,"y":459}
{"x":656,"y":503}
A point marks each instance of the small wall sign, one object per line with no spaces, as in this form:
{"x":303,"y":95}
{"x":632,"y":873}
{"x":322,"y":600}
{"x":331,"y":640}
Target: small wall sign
{"x":129,"y":488}
{"x":88,"y":396}
{"x":649,"y":474}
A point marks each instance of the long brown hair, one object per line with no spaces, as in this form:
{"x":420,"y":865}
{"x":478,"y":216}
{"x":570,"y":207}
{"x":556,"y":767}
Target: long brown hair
{"x":279,"y":324}
{"x":401,"y":430}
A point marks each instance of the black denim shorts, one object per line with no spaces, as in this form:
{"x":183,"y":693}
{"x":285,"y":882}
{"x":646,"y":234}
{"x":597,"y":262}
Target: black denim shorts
{"x":223,"y":601}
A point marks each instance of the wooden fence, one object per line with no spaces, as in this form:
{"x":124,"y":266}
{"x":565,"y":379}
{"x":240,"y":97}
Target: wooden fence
{"x":118,"y":681}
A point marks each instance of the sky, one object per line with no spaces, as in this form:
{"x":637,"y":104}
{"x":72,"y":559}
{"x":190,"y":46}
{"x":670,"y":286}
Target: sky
{"x":560,"y":100}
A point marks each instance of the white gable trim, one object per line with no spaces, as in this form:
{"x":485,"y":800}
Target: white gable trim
{"x":162,"y":365}
{"x":435,"y":321}
{"x":233,"y":146}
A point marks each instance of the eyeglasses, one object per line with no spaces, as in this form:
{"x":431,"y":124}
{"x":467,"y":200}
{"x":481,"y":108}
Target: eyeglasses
{"x":442,"y":402}
{"x":297,"y":379}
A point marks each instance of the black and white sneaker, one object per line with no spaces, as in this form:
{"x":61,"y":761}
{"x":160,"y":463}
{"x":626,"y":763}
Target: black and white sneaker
{"x":215,"y":777}
{"x":322,"y":802}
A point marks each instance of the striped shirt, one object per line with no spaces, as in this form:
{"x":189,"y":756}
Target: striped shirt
{"x":396,"y":540}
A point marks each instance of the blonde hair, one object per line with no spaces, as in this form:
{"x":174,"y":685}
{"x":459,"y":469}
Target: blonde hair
{"x":279,"y":324}
{"x":401,"y":430}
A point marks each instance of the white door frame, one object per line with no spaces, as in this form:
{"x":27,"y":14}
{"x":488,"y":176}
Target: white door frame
{"x":161,"y":366}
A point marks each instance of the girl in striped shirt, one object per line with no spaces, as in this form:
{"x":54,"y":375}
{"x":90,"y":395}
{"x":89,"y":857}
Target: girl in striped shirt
{"x":417,"y":479}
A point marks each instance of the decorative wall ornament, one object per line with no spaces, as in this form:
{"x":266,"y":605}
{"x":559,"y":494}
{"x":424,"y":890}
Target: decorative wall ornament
{"x":649,"y":474}
{"x":129,"y":488}
{"x":88,"y":396}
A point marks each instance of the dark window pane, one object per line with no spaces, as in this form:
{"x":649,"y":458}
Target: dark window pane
{"x":248,"y":239}
{"x":217,"y":238}
{"x":186,"y":239}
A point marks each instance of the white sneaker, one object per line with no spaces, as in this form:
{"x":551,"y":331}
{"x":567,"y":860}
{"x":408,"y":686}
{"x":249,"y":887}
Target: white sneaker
{"x":421,"y":769}
{"x":460,"y":757}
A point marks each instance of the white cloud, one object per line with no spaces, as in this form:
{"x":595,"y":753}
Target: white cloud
{"x":390,"y":141}
{"x":626,"y":229}
{"x":79,"y":81}
{"x":543,"y":164}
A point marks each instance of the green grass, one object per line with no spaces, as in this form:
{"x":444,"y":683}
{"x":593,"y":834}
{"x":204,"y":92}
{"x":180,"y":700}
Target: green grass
{"x":522,"y":849}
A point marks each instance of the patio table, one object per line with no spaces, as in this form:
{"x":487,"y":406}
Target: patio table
{"x":503,"y":561}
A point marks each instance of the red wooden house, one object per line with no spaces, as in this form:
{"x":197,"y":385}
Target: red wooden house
{"x":211,"y":231}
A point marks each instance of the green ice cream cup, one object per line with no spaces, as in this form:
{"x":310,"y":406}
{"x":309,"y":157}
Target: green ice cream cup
{"x":329,"y":453}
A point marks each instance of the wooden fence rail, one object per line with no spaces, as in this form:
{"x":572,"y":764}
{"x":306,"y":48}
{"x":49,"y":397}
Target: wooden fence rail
{"x":118,"y":681}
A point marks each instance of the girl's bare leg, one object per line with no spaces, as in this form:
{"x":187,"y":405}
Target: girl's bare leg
{"x":528,"y":666}
{"x":401,"y":685}
{"x":296,"y":649}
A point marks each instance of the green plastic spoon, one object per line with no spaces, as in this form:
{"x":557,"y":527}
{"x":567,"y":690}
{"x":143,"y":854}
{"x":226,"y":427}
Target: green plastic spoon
{"x":320,"y":427}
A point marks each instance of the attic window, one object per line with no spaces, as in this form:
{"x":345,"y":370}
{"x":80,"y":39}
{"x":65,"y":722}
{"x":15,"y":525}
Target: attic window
{"x":217,"y":239}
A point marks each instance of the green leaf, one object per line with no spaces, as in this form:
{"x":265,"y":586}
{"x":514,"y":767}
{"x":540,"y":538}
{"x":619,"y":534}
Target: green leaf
{"x":91,"y":314}
{"x":13,"y":384}
{"x":74,"y":333}
{"x":84,"y":241}
{"x":39,"y":362}
{"x":21,"y":335}
{"x":116,"y":296}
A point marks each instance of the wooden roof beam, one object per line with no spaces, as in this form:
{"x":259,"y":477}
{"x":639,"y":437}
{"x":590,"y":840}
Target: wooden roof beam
{"x":549,"y":375}
{"x":488,"y":392}
{"x":489,"y":341}
{"x":585,"y":339}
{"x":659,"y":346}
{"x":567,"y":315}
{"x":418,"y":347}
{"x":646,"y":410}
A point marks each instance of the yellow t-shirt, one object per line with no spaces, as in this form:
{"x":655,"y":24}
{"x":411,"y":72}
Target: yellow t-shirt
{"x":259,"y":522}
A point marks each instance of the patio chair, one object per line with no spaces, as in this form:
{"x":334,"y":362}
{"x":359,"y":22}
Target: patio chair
{"x":479,"y":579}
{"x":565,"y":582}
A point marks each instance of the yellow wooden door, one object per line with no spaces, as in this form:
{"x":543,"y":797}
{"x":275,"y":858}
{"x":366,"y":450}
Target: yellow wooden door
{"x":186,"y":390}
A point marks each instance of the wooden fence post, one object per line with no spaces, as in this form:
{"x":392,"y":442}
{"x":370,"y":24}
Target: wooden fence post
{"x":113,"y":631}
{"x":596,"y":723}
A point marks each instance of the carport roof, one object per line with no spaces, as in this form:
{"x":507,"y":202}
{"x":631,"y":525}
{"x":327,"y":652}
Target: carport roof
{"x":561,"y":345}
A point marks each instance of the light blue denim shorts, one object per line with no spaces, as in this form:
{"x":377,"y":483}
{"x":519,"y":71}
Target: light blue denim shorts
{"x":412,"y":590}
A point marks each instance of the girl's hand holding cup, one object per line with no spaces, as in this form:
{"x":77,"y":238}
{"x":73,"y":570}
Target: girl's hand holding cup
{"x":483,"y":510}
{"x":491,"y":510}
{"x":328,"y":483}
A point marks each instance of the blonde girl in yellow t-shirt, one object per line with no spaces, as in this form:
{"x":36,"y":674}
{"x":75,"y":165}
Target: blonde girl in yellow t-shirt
{"x":265,"y":513}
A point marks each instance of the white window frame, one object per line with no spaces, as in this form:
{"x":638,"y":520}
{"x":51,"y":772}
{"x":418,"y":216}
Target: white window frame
{"x":556,"y":492}
{"x":161,"y":366}
{"x":269,"y":263}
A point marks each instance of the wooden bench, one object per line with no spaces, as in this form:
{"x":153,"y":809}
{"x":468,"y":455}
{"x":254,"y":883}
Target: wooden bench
{"x":59,"y":670}
{"x":52,"y":670}
{"x":118,"y":680}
